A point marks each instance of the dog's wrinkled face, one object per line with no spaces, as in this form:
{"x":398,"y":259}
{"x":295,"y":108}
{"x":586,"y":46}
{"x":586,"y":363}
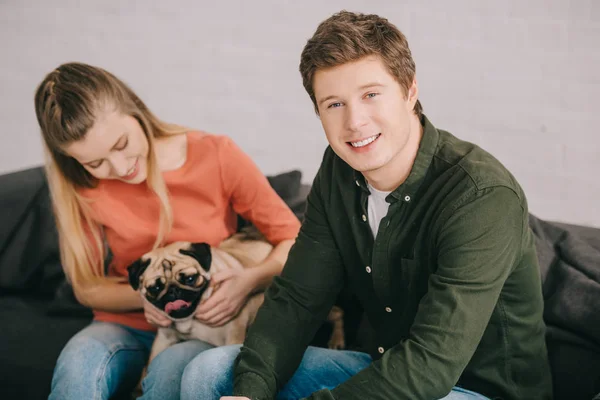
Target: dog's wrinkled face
{"x":173,"y":278}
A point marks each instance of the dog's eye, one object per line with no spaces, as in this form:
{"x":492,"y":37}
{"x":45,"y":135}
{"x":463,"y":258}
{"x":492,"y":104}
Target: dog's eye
{"x":156,"y":288}
{"x":188,"y":280}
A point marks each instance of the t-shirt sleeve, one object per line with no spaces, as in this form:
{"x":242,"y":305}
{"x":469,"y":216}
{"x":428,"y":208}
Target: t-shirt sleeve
{"x":251,"y":195}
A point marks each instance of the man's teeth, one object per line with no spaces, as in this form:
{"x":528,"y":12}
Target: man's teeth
{"x":365,"y":142}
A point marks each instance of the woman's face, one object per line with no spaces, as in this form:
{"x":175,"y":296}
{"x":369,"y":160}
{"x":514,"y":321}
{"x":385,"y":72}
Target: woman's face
{"x":114,"y":148}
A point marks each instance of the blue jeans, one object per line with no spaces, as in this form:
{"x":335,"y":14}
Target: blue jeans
{"x":210,"y":374}
{"x":106,"y":359}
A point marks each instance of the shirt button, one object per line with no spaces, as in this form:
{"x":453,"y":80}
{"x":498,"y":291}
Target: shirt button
{"x":406,"y":198}
{"x":380,"y":350}
{"x":364,"y":217}
{"x":368,"y":269}
{"x":357,"y":183}
{"x":388,"y":309}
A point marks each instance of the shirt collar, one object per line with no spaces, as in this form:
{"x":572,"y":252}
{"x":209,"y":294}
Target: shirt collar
{"x":411,"y":185}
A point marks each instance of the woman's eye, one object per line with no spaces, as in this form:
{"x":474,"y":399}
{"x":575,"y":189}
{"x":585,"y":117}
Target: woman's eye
{"x":96,"y":165}
{"x":122,"y":147}
{"x":371,"y":95}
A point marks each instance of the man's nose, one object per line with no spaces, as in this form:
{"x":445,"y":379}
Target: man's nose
{"x":356,"y":117}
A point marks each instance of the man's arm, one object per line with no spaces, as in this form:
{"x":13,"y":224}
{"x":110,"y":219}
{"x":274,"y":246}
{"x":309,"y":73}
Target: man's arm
{"x":477,"y":248}
{"x":295,"y":305}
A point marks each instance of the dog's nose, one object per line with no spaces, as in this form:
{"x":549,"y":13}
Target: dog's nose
{"x":174,"y":291}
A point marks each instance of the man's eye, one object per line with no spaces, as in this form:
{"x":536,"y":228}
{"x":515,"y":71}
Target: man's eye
{"x":334,"y":105}
{"x":371,"y":95}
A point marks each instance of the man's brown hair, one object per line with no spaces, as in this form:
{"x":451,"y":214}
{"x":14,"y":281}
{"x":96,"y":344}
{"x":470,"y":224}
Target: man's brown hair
{"x":345,"y":37}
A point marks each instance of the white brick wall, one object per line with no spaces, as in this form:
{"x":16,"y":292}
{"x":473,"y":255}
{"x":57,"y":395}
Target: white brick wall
{"x":522,"y":79}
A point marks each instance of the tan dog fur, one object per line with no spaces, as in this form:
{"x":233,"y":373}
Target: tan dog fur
{"x":242,"y":250}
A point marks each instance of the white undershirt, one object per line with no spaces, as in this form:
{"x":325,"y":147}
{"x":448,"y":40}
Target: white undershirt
{"x":377,"y":208}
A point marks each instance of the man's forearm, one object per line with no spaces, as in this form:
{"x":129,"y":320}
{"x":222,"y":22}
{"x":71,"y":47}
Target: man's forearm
{"x":279,"y":346}
{"x":295,"y":305}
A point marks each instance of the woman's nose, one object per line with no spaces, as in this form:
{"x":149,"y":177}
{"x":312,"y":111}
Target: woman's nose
{"x":120,"y":165}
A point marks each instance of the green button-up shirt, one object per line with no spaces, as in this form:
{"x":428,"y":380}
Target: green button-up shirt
{"x":451,"y":285}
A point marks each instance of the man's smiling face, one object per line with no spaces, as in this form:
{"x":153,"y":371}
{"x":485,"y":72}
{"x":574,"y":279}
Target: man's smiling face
{"x":365,"y":113}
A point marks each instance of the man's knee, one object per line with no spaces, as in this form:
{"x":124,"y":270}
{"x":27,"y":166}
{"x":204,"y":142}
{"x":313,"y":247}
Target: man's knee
{"x":316,"y":358}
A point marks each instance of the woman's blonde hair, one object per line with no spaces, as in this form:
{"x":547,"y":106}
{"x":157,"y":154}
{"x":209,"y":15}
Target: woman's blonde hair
{"x":67,"y":103}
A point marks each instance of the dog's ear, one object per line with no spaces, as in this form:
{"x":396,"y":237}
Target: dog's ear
{"x":201,"y":253}
{"x":136,"y":269}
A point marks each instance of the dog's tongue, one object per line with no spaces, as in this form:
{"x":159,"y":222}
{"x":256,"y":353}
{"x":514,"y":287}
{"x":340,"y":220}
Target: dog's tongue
{"x":176,"y":305}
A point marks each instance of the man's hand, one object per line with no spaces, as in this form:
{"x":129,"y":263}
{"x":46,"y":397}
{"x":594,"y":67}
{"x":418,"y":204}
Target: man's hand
{"x":228,"y":299}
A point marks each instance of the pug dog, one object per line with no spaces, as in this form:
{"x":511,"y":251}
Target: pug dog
{"x":177,"y":278}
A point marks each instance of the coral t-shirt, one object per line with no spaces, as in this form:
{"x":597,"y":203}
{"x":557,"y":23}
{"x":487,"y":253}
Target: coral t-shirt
{"x":216,"y":182}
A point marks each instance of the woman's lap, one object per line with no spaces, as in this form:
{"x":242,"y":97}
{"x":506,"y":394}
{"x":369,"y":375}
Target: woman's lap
{"x":104,"y":359}
{"x":99,"y":361}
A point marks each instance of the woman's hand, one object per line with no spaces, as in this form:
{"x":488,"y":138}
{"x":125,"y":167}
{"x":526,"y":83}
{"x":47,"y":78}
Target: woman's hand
{"x":154,"y":316}
{"x":228,"y":299}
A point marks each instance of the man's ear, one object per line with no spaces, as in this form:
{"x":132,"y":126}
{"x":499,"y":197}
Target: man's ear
{"x":136,"y":269}
{"x":201,"y":253}
{"x":413,"y":92}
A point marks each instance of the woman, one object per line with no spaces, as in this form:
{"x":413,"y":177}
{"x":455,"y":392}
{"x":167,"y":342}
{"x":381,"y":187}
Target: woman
{"x":120,"y":178}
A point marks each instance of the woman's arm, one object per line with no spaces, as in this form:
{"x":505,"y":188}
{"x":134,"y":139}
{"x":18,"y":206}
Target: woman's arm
{"x":236,"y":286}
{"x":262,"y":275}
{"x":108,"y":296}
{"x":252,"y":197}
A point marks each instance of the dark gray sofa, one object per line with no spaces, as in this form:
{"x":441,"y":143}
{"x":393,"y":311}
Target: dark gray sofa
{"x":38,"y":312}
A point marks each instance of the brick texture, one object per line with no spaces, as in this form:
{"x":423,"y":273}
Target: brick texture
{"x":522,"y":79}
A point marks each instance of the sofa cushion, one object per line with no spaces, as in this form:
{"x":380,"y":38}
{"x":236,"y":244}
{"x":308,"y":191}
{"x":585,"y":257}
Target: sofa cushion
{"x":29,"y":256}
{"x":569,"y":258}
{"x":572,"y":288}
{"x":286,"y":184}
{"x":31,"y":341}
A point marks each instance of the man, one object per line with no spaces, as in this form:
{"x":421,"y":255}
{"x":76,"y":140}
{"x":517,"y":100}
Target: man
{"x":430,"y":232}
